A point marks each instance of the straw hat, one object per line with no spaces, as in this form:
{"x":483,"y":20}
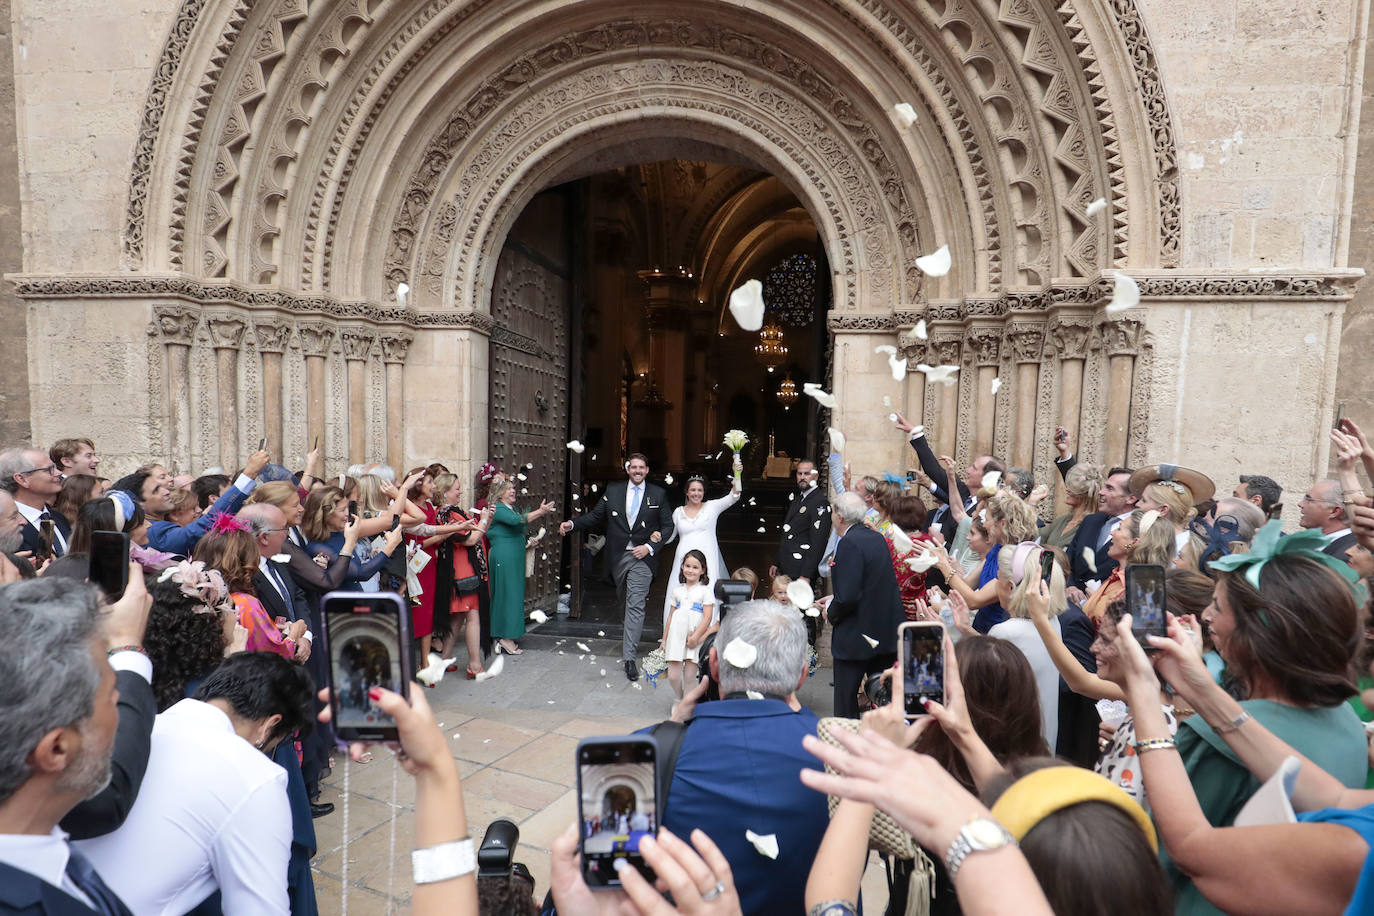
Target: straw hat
{"x":1199,"y":485}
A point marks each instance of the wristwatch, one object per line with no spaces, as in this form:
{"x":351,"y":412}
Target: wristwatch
{"x":979,"y":835}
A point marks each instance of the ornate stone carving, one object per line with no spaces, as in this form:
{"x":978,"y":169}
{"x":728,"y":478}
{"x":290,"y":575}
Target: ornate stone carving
{"x":1027,"y":342}
{"x":945,"y":349}
{"x":911,"y":347}
{"x":1120,"y":337}
{"x":177,"y":324}
{"x":1070,"y":337}
{"x":226,"y":331}
{"x":866,"y":324}
{"x":272,"y":336}
{"x":317,"y":338}
{"x":395,"y":346}
{"x":985,"y":344}
{"x":357,"y":343}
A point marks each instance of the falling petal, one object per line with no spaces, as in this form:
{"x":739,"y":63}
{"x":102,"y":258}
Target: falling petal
{"x":603,"y":672}
{"x":767,"y":845}
{"x":836,"y":440}
{"x":577,"y":447}
{"x":521,"y":476}
{"x":921,"y":332}
{"x":898,"y":367}
{"x":1092,"y":585}
{"x":668,"y":479}
{"x":906,"y":115}
{"x":583,"y":646}
{"x":824,"y":398}
{"x":1095,"y":207}
{"x":763,"y":531}
{"x":497,"y":664}
{"x":1125,"y":294}
{"x":992,"y":479}
{"x":402,"y":290}
{"x":921,"y":562}
{"x":741,"y":654}
{"x":943,"y":375}
{"x":752,"y":501}
{"x":901,"y":541}
{"x":594,"y":488}
{"x":935,"y":264}
{"x":433,"y":673}
{"x":746,"y":305}
{"x":753,"y":694}
{"x":813,"y":611}
{"x":892,"y":417}
{"x":886,"y":348}
{"x":887,"y":401}
{"x":796,"y":556}
{"x":800,"y":594}
{"x":524,"y":491}
{"x":1090,"y":558}
{"x":872,"y":643}
{"x":600,"y":632}
{"x":539,"y":616}
{"x":996,"y":385}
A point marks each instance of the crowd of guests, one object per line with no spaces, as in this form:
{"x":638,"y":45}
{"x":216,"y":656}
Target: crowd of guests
{"x":162,"y":752}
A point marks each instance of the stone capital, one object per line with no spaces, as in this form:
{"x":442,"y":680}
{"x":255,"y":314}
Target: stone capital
{"x":316,"y":338}
{"x":395,"y":347}
{"x":911,"y":347}
{"x":1027,"y":342}
{"x":175,"y":323}
{"x":357,"y":343}
{"x":271,"y":335}
{"x":1121,"y":337}
{"x":986,"y":344}
{"x":945,"y":350}
{"x":1070,"y":338}
{"x":226,"y":331}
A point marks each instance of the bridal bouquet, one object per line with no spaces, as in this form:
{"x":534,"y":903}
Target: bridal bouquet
{"x":736,"y":440}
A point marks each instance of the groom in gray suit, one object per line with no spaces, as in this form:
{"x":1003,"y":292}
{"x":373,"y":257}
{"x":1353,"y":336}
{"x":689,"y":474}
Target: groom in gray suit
{"x":629,"y":514}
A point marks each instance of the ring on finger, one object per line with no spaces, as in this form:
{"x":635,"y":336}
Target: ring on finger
{"x":714,"y":892}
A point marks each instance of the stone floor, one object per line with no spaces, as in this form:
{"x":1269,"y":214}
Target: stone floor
{"x":513,"y":737}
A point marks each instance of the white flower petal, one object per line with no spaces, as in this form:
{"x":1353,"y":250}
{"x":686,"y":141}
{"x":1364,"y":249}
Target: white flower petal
{"x":836,"y":440}
{"x":800,"y":594}
{"x":282,"y":558}
{"x":892,"y":417}
{"x":1125,"y":294}
{"x":746,"y":305}
{"x":996,"y":385}
{"x":872,"y":643}
{"x":539,"y":616}
{"x":922,"y":562}
{"x":824,"y":398}
{"x":767,"y":845}
{"x":600,"y":632}
{"x":906,"y":115}
{"x":898,"y":367}
{"x":577,"y":447}
{"x":741,"y":654}
{"x":402,"y":290}
{"x":886,"y":348}
{"x":813,"y":611}
{"x":1090,"y":557}
{"x":668,"y":479}
{"x":887,"y":401}
{"x":1095,"y":207}
{"x":1092,"y":585}
{"x":943,"y":375}
{"x":992,"y":478}
{"x":901,"y":541}
{"x":583,"y":646}
{"x":763,"y":530}
{"x":935,"y":264}
{"x":921,"y":331}
{"x":603,"y":672}
{"x":753,"y":694}
{"x":796,"y":556}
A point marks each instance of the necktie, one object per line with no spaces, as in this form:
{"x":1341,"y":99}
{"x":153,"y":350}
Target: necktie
{"x":279,"y":585}
{"x":1107,"y":530}
{"x":82,"y":873}
{"x":57,"y":548}
{"x":634,"y":506}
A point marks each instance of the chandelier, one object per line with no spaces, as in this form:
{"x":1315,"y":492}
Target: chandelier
{"x":770,"y":349}
{"x":787,"y":392}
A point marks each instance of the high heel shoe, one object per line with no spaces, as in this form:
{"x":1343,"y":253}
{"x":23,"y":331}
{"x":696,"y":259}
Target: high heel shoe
{"x":472,"y":675}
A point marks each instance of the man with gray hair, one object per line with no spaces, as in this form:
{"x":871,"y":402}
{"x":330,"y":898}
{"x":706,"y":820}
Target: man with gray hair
{"x":275,"y":587}
{"x":31,"y":477}
{"x":58,"y":724}
{"x":865,"y":606}
{"x":741,"y":756}
{"x":1323,"y":508}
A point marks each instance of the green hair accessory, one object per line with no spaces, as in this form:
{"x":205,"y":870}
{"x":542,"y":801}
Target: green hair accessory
{"x":1270,"y":542}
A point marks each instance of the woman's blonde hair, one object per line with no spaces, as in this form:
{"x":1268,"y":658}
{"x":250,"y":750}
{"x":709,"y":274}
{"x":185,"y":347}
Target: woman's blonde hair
{"x":1176,"y":497}
{"x":1017,"y":516}
{"x":370,"y":496}
{"x":498,"y":489}
{"x":1156,"y":546}
{"x":1085,"y":481}
{"x":319,"y":505}
{"x":276,"y":492}
{"x":1018,"y":605}
{"x":441,"y":484}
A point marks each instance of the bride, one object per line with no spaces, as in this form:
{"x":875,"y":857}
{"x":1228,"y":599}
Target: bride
{"x":695,"y":527}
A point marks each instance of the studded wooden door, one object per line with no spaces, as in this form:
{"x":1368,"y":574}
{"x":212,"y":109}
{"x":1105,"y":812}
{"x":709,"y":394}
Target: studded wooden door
{"x":529,"y":377}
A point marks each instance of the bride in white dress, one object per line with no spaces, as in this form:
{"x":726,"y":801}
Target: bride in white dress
{"x":694,"y":526}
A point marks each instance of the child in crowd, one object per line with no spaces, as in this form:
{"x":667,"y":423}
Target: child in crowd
{"x":690,"y":616}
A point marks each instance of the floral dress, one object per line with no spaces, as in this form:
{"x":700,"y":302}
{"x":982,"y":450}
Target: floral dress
{"x":910,"y":583}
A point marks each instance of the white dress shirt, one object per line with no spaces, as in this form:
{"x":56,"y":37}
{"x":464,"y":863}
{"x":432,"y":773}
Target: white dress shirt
{"x":43,"y":856}
{"x":31,"y":516}
{"x":630,"y":516}
{"x":273,"y":575}
{"x":212,"y":815}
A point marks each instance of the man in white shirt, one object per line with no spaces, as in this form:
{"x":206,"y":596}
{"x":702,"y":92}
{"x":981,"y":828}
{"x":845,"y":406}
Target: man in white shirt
{"x":277,"y":591}
{"x":57,"y":730}
{"x":213,"y":813}
{"x":34,"y":481}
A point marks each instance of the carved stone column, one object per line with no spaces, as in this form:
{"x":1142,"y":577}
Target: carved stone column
{"x":394,"y":348}
{"x":272,"y":337}
{"x":1026,"y":342}
{"x":357,"y":343}
{"x":945,"y":349}
{"x":316,"y":340}
{"x":1121,"y":341}
{"x":986,"y":345}
{"x":226,"y":334}
{"x":1070,"y":338}
{"x":177,"y":326}
{"x":916,"y":351}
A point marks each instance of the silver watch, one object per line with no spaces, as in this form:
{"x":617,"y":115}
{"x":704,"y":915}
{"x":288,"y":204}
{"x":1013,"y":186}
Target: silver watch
{"x":979,"y":835}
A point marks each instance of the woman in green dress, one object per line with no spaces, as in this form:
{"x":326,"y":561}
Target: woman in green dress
{"x":1081,"y":487}
{"x":507,"y":563}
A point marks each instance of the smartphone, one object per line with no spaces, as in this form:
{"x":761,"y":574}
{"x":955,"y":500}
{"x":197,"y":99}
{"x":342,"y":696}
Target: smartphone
{"x":395,"y":522}
{"x":352,"y":509}
{"x":109,"y":563}
{"x":315,"y":444}
{"x":1046,"y":566}
{"x":367,"y":640}
{"x":1061,"y":434}
{"x":1340,"y":414}
{"x":923,"y":664}
{"x":47,"y":529}
{"x":1145,"y":602}
{"x":262,"y":443}
{"x":910,"y":474}
{"x":617,"y":805}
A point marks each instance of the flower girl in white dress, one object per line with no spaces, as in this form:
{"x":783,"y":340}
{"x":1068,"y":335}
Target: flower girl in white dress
{"x":689,"y":617}
{"x":694,"y":526}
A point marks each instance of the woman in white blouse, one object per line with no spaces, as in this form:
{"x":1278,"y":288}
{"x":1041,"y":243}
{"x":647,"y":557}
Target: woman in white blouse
{"x":212,"y":814}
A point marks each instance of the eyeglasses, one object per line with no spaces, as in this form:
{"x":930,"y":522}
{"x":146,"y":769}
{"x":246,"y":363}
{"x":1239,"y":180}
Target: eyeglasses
{"x":1326,"y":502}
{"x":51,"y":469}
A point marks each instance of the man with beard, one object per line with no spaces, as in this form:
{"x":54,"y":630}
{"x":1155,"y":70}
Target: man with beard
{"x":805,"y":528}
{"x":58,"y":728}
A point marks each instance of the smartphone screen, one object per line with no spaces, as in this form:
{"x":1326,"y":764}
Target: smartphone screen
{"x":1145,"y":602}
{"x":1046,"y":566}
{"x":352,"y":509}
{"x":617,"y":801}
{"x":109,"y":563}
{"x":46,"y":529}
{"x":923,"y":665}
{"x":367,"y":639}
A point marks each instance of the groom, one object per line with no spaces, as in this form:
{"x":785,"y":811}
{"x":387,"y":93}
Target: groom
{"x":629,"y":514}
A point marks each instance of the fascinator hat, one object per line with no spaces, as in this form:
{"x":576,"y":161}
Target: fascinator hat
{"x":1199,"y":486}
{"x":1270,"y":542}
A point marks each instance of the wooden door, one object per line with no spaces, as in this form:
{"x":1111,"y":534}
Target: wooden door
{"x":529,"y":377}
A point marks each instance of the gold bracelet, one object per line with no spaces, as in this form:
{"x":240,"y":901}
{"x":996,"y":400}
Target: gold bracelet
{"x":1155,"y":744}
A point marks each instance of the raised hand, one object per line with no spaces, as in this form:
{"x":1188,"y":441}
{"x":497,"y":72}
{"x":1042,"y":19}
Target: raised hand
{"x":1348,"y":450}
{"x":256,"y":462}
{"x":903,"y":423}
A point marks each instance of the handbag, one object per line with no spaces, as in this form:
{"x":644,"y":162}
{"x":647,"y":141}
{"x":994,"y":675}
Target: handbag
{"x":467,"y":585}
{"x":885,"y":835}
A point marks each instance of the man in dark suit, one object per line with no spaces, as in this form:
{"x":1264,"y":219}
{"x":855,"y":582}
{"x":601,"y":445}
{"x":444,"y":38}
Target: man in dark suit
{"x":1323,"y":508}
{"x":866,"y":606}
{"x":805,"y":528}
{"x":1095,"y":533}
{"x":30,"y":476}
{"x":630,"y":514}
{"x":275,"y":587}
{"x":969,"y":485}
{"x":63,"y":695}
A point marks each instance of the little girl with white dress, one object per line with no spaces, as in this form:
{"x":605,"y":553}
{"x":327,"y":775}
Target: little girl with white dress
{"x":690,"y":615}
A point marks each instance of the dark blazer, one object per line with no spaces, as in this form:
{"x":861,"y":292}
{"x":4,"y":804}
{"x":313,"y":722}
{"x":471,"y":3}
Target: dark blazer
{"x":806,"y":531}
{"x":939,"y":476}
{"x":1086,"y":536}
{"x":1339,"y":546}
{"x":29,"y":895}
{"x":29,"y":532}
{"x":1065,"y":465}
{"x":106,"y":811}
{"x":608,"y":517}
{"x":866,"y":602}
{"x":271,"y":598}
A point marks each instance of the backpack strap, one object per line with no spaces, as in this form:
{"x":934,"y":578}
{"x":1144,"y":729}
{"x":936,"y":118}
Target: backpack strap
{"x":669,"y":735}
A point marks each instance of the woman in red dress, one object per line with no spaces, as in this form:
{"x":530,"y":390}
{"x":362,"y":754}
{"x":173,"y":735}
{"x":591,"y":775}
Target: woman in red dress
{"x":909,"y":514}
{"x":422,"y":605}
{"x":462,"y":598}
